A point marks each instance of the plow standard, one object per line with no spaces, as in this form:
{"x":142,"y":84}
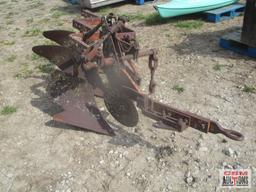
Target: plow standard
{"x":102,"y":61}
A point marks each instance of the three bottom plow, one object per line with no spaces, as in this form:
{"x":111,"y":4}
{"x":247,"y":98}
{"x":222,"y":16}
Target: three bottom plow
{"x":101,"y":61}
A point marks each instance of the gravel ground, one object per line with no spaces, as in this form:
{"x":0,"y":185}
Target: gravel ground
{"x":38,"y":154}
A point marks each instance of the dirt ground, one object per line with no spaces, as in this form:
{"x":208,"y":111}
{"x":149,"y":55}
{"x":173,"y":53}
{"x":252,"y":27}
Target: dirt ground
{"x":37,"y":154}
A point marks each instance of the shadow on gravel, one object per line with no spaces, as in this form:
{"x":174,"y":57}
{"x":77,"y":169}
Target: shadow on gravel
{"x":206,"y":44}
{"x":127,"y":139}
{"x":44,"y":101}
{"x":46,"y":104}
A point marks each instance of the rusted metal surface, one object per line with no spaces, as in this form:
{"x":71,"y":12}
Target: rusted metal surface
{"x":171,"y":118}
{"x":59,"y":36}
{"x":121,"y":107}
{"x":182,"y":119}
{"x":61,"y":56}
{"x":103,"y":55}
{"x":80,"y":110}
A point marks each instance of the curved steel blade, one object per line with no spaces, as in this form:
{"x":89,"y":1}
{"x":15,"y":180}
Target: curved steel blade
{"x":59,"y":36}
{"x":80,"y":110}
{"x":58,"y":55}
{"x":121,"y":107}
{"x":54,"y":53}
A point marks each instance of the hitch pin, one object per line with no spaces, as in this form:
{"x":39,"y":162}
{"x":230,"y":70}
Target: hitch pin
{"x":217,"y":128}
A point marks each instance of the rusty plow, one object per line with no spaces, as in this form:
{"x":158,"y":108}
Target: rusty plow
{"x":101,"y":61}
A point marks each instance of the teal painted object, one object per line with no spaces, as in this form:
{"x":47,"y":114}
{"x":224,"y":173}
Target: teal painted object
{"x":184,"y":7}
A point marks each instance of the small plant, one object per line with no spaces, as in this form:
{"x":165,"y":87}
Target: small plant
{"x":105,"y":10}
{"x":7,"y":110}
{"x":9,"y":15}
{"x":154,"y":19}
{"x":35,"y":57}
{"x":44,"y":20}
{"x":189,"y":24}
{"x":218,"y":67}
{"x":249,"y":89}
{"x":36,"y":5}
{"x":29,"y":21}
{"x":59,"y":23}
{"x":135,"y":16}
{"x":12,"y":33}
{"x":32,"y":32}
{"x":9,"y":22}
{"x":58,"y":14}
{"x":11,"y":58}
{"x":6,"y":42}
{"x":178,"y":88}
{"x":24,"y":72}
{"x":47,"y":68}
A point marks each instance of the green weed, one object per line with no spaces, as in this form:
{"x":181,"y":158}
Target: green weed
{"x":23,"y":74}
{"x":196,"y":24}
{"x":105,"y":11}
{"x":57,"y":14}
{"x":218,"y":67}
{"x":46,"y":68}
{"x":36,"y":5}
{"x":32,"y":32}
{"x":9,"y":15}
{"x":9,"y":22}
{"x":155,"y":19}
{"x":7,"y":110}
{"x":30,"y":20}
{"x":135,"y":16}
{"x":178,"y":88}
{"x":249,"y":89}
{"x":44,"y":20}
{"x":6,"y":42}
{"x":34,"y":57}
{"x":11,"y":58}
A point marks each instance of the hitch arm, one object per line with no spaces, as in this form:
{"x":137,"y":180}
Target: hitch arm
{"x":172,"y":118}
